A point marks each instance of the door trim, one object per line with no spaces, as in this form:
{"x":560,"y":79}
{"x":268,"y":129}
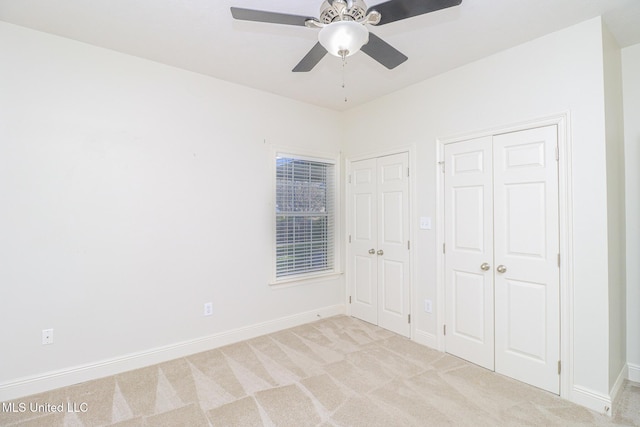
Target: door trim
{"x":347,"y":212}
{"x":565,"y":215}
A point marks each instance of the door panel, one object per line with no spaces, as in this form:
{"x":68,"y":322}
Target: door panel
{"x":364,"y":303}
{"x":469,"y":237}
{"x":527,"y":295}
{"x":392,"y":296}
{"x":524,"y":216}
{"x":364,"y":293}
{"x":393,"y":237}
{"x":526,"y":323}
{"x":469,"y":211}
{"x":364,"y":209}
{"x":392,"y":217}
{"x":467,"y":289}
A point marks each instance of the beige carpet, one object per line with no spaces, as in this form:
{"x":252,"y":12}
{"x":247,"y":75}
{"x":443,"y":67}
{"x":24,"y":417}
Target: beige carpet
{"x":334,"y":372}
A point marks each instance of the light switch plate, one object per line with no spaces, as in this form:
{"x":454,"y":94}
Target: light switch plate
{"x":425,"y":223}
{"x":428,"y":306}
{"x":208,"y":308}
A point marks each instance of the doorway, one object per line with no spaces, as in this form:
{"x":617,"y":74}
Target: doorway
{"x":378,"y":243}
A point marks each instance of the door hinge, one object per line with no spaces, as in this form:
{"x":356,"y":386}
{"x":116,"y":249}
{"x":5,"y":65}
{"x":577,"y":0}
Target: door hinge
{"x":558,"y":260}
{"x":557,"y":153}
{"x":349,"y":178}
{"x":408,"y":172}
{"x":349,"y":238}
{"x":559,"y":367}
{"x":444,"y":329}
{"x":441,"y":166}
{"x":408,"y":244}
{"x":408,"y":318}
{"x":443,"y":249}
{"x":349,"y":299}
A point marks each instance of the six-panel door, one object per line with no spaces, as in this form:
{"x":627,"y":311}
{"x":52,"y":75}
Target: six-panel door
{"x":364,"y":241}
{"x":469,"y":251}
{"x":527,"y":302}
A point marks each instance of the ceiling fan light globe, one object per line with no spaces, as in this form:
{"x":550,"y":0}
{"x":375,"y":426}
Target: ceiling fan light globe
{"x":343,"y":36}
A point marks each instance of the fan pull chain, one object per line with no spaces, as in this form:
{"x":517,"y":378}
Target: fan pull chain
{"x":344,"y":62}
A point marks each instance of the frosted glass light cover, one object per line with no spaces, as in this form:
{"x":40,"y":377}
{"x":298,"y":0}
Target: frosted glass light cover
{"x":346,"y":36}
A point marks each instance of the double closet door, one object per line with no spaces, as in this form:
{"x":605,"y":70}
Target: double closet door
{"x":379,"y":275}
{"x":502,"y":254}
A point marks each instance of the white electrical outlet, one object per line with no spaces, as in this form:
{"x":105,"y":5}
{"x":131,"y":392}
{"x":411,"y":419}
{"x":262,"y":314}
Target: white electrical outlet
{"x":208,"y":309}
{"x":47,"y":336}
{"x":428,"y":306}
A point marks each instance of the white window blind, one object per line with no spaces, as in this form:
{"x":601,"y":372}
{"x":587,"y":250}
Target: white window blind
{"x":305,"y":193}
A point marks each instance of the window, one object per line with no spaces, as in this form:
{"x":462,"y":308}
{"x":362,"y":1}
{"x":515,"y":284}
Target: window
{"x":305,"y":193}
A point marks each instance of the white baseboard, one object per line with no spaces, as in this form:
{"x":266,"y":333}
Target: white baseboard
{"x":599,"y":402}
{"x":634,"y":372}
{"x":617,"y":387}
{"x":426,"y":338}
{"x":51,"y":380}
{"x":590,"y":399}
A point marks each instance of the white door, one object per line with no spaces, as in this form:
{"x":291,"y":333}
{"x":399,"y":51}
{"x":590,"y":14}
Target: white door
{"x":363,"y":263}
{"x":501,"y":269}
{"x":380,"y":242}
{"x":527,"y":284}
{"x":393,"y":243}
{"x":469,"y":251}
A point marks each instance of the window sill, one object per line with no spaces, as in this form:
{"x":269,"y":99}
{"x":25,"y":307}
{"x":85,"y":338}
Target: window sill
{"x":304,"y":279}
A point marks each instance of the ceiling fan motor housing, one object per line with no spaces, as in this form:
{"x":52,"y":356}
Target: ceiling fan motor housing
{"x":330,"y":11}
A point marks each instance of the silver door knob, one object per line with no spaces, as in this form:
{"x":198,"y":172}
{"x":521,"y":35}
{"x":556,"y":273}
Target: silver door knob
{"x":372,"y":251}
{"x":501,"y":269}
{"x":380,"y":252}
{"x":485,"y":266}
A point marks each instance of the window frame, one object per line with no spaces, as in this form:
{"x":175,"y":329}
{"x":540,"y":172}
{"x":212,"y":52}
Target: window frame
{"x":314,"y":275}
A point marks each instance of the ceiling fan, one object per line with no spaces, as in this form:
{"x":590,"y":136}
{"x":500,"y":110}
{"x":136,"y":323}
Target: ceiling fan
{"x":343,"y":30}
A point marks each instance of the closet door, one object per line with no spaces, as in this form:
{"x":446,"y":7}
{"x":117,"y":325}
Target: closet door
{"x":501,"y":258}
{"x":469,"y":251}
{"x":379,"y":239}
{"x":527,"y":286}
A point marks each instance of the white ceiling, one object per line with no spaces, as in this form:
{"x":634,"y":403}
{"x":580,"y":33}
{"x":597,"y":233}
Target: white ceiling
{"x":201,"y":36}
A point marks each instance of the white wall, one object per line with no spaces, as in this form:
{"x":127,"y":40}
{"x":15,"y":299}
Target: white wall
{"x":561,"y":72}
{"x":125,"y":215}
{"x":131,"y":194}
{"x":631,"y":94}
{"x":615,"y":211}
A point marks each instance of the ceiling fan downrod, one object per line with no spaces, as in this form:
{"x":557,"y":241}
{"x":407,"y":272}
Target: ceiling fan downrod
{"x":344,"y":10}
